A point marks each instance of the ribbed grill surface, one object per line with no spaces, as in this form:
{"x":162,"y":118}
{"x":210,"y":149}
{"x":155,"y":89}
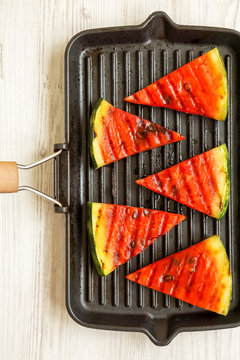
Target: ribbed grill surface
{"x":116,"y":74}
{"x":114,"y":66}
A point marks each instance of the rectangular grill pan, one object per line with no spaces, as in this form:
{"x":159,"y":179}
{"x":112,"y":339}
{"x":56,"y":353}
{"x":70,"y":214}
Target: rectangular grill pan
{"x":113,"y":63}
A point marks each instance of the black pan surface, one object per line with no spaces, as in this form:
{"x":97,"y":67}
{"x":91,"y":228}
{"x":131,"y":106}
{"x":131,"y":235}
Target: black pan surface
{"x":113,"y":63}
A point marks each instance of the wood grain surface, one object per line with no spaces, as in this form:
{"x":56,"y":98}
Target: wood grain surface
{"x":34,"y":323}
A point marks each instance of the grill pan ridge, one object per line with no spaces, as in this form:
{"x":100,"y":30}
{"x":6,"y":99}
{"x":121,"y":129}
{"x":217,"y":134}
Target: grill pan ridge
{"x":113,"y":63}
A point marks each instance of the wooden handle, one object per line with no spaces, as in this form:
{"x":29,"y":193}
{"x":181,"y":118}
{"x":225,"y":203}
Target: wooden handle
{"x":8,"y":177}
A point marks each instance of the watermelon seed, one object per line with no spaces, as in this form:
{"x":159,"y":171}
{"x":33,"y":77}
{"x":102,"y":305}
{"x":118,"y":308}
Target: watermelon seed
{"x":220,"y":205}
{"x":151,"y":128}
{"x":136,"y":276}
{"x":167,"y":99}
{"x":99,"y":214}
{"x":187,"y":86}
{"x":192,"y":260}
{"x":141,"y":133}
{"x":133,"y":244}
{"x":146,"y":212}
{"x":168,"y":278}
{"x":135,"y":214}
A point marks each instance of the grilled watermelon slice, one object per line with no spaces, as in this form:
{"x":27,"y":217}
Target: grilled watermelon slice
{"x":202,"y":182}
{"x":115,"y":134}
{"x":117,"y":233}
{"x":199,"y":275}
{"x":199,"y":87}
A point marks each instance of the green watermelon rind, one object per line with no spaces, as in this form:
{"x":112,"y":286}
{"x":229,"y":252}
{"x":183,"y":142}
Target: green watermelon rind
{"x":225,"y":198}
{"x":91,"y":239}
{"x":218,"y":250}
{"x":224,"y":107}
{"x":91,"y":132}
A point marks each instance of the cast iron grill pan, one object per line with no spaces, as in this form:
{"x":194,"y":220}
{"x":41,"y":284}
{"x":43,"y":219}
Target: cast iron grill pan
{"x":113,"y":63}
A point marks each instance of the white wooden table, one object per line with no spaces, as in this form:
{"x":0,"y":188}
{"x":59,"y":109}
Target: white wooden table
{"x":34,"y":323}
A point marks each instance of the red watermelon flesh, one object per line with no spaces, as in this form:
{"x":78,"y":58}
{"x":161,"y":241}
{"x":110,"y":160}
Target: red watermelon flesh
{"x":199,"y":87}
{"x":117,"y":232}
{"x":202,"y":182}
{"x":116,"y":134}
{"x":199,"y":275}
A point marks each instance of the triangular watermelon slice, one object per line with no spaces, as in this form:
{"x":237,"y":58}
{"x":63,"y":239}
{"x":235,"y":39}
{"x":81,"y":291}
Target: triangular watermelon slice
{"x":199,"y":87}
{"x":199,"y":275}
{"x":116,"y":134}
{"x":117,"y":233}
{"x":202,"y":182}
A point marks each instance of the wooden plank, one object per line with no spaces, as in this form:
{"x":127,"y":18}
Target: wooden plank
{"x":34,"y":323}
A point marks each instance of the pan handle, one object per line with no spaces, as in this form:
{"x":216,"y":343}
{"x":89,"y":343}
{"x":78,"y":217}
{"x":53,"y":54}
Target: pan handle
{"x":9,"y":178}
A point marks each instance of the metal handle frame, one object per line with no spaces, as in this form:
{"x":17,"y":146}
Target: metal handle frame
{"x":29,"y":188}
